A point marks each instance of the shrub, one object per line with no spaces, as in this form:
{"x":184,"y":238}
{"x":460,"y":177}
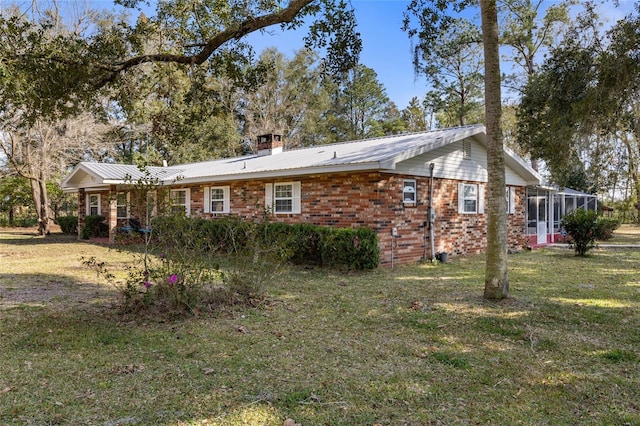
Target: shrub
{"x":302,"y":244}
{"x":68,"y":224}
{"x":605,"y":227}
{"x":95,"y":226}
{"x":582,"y":226}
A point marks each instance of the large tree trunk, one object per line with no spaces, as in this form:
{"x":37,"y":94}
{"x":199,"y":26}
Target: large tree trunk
{"x":41,"y":203}
{"x":496,"y":285}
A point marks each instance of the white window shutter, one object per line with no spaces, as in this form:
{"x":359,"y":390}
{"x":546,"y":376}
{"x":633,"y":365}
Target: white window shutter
{"x":187,"y":201}
{"x":481,"y":199}
{"x":226,"y":195}
{"x":512,"y":200}
{"x":297,"y":196}
{"x":128,"y":205}
{"x":268,"y":196}
{"x":461,"y":198}
{"x":207,"y":200}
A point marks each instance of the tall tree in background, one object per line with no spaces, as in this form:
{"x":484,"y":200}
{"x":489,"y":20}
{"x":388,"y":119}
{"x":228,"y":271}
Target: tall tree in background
{"x":453,"y":67}
{"x":290,"y":101}
{"x":414,"y":116}
{"x":43,"y":150}
{"x":359,"y":105}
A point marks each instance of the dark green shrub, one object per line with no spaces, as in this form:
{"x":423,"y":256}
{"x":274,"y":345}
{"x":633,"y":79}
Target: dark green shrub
{"x":301,"y":244}
{"x":605,"y":228}
{"x":95,"y":226}
{"x":68,"y":224}
{"x":582,"y":226}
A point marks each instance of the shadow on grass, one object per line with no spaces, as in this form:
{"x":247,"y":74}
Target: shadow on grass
{"x":51,"y":290}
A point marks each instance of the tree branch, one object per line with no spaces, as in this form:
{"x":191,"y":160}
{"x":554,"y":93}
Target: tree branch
{"x":248,"y":26}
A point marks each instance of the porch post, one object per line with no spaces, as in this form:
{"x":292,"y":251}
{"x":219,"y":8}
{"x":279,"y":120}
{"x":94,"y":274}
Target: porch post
{"x":82,"y":210}
{"x":113,"y":214}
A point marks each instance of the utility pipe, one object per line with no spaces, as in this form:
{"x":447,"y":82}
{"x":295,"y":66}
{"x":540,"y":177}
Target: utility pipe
{"x":431,"y":213}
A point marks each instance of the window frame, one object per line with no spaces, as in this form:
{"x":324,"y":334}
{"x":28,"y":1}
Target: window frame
{"x":98,"y":205}
{"x":209,"y":200}
{"x":271,"y":198}
{"x":413,"y":184}
{"x":187,"y":200}
{"x":125,"y":205}
{"x":479,"y":198}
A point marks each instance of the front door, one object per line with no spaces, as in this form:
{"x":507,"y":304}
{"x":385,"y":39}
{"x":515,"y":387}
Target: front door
{"x":542,"y":220}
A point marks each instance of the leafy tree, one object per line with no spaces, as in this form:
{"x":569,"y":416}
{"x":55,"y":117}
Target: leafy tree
{"x":60,"y":74}
{"x":290,"y":101}
{"x":15,"y":193}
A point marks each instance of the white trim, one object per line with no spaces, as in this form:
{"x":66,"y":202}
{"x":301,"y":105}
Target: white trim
{"x":511,"y":200}
{"x":296,"y":198}
{"x":206,"y":208}
{"x":88,"y":206}
{"x":479,"y":198}
{"x":226,"y":201}
{"x":409,"y":189}
{"x":127,"y":203}
{"x":268,"y":197}
{"x":187,"y":199}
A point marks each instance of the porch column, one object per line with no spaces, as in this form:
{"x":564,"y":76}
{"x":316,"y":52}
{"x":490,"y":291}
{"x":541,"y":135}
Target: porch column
{"x":82,"y":210}
{"x":113,"y":214}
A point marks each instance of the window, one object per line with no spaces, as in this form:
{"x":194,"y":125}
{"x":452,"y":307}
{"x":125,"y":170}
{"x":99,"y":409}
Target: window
{"x":511,"y":199}
{"x":216,"y":199}
{"x":122,"y":205}
{"x":180,"y":200}
{"x":470,"y":198}
{"x":409,"y":191}
{"x":93,"y":205}
{"x":283,"y":197}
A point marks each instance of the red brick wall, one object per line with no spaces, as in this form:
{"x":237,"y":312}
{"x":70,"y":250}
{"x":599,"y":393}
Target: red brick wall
{"x":374,"y":200}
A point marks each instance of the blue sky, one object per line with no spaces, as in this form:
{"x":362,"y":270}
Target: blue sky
{"x":386,"y":48}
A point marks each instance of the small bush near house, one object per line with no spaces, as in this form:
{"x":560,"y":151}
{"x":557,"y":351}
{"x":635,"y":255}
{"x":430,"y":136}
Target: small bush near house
{"x":582,"y":226}
{"x":95,"y":226}
{"x":68,"y":224}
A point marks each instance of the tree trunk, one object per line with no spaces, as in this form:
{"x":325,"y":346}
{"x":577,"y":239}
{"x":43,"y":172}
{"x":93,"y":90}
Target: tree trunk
{"x":496,"y":285}
{"x":41,"y":203}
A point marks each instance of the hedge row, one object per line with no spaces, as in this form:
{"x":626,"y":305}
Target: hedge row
{"x":300,"y":243}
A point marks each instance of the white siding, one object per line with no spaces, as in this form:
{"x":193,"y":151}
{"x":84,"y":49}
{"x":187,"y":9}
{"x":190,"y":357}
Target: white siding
{"x":450,"y":164}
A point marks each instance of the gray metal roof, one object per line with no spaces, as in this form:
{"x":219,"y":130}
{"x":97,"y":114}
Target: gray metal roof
{"x":370,"y":154}
{"x":378,"y":153}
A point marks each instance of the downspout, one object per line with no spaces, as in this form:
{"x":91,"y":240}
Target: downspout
{"x":432,"y":214}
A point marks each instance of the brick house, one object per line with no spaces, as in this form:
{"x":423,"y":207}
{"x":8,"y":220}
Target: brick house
{"x":389,"y":184}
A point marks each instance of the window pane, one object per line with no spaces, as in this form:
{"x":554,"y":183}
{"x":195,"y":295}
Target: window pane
{"x":217,"y":194}
{"x":284,"y":206}
{"x":284,"y":191}
{"x":470,"y":206}
{"x":470,"y":191}
{"x":217,"y":206}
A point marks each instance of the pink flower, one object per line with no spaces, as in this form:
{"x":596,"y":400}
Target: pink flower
{"x":173,"y":279}
{"x":147,"y":284}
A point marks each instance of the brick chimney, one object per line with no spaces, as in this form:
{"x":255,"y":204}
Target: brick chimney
{"x":269,"y":144}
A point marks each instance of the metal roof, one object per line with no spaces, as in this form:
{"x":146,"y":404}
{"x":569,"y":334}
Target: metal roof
{"x":370,"y":154}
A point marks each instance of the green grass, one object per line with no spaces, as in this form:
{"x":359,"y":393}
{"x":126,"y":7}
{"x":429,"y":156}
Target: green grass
{"x":415,"y":345}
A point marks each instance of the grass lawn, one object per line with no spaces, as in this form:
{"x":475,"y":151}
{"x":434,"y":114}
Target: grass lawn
{"x":415,"y":345}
